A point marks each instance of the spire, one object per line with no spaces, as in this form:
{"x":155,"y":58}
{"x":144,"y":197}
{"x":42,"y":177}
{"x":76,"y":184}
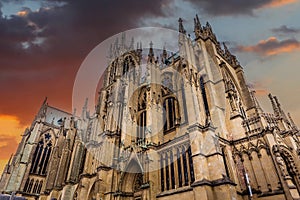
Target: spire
{"x":225,"y":47}
{"x":257,"y":105}
{"x":181,"y":28}
{"x":281,"y":112}
{"x":208,"y":26}
{"x":84,"y":108}
{"x":45,"y":100}
{"x":151,"y":53}
{"x":131,"y":44}
{"x":274,"y":106}
{"x":197,"y":26}
{"x":226,"y":51}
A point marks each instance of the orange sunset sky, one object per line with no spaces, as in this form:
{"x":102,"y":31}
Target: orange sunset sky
{"x":43,"y":43}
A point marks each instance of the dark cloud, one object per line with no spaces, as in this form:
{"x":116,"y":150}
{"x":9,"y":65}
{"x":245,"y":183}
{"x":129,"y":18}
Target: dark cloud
{"x":235,"y":7}
{"x":40,"y":51}
{"x":284,"y":30}
{"x":271,"y":46}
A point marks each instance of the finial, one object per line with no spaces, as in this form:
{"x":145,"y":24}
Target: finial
{"x":227,"y":52}
{"x":45,"y":100}
{"x":181,"y":28}
{"x":197,"y":20}
{"x":281,"y":112}
{"x":131,"y":44}
{"x":225,"y":47}
{"x":274,"y":106}
{"x":197,"y":26}
{"x":165,"y":54}
{"x":86,"y":102}
{"x":208,"y":25}
{"x":85,"y":107}
{"x":257,"y":105}
{"x":151,"y":53}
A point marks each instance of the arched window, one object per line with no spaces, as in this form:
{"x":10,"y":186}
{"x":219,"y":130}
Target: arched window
{"x":172,"y":170}
{"x":40,"y":187}
{"x":179,"y":168}
{"x":167,"y":172}
{"x":179,"y":160}
{"x":36,"y":157}
{"x":204,"y":96}
{"x":125,"y":66}
{"x":41,"y":156}
{"x":185,"y":167}
{"x":47,"y":156}
{"x":169,"y":113}
{"x":142,"y":125}
{"x":162,"y":176}
{"x":128,"y":62}
{"x":26,"y":185}
{"x":191,"y":165}
{"x":35,"y":186}
{"x":30,"y":186}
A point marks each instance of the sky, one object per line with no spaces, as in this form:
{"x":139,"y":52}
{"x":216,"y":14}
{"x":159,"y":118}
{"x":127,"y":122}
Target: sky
{"x":44,"y":42}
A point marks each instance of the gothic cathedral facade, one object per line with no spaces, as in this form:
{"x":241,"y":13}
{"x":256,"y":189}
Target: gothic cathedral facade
{"x":185,"y":126}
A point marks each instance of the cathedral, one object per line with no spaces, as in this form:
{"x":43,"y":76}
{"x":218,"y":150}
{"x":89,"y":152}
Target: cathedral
{"x":185,"y":125}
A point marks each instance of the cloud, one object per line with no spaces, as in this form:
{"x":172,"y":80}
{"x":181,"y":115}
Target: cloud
{"x":234,"y":7}
{"x":8,"y":146}
{"x":271,"y":46}
{"x":282,"y":30}
{"x":41,"y":50}
{"x":10,"y":135}
{"x":278,"y":3}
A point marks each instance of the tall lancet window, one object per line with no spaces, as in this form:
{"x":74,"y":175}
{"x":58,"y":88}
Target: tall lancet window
{"x":142,"y":125}
{"x":142,"y":115}
{"x":169,"y":113}
{"x":204,"y":96}
{"x":41,"y":156}
{"x":128,"y":63}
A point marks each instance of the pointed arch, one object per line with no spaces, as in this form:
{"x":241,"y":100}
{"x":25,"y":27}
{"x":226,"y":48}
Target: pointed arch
{"x":26,"y":185}
{"x":42,"y":153}
{"x":36,"y":184}
{"x":128,"y":64}
{"x":171,"y":110}
{"x":169,"y":113}
{"x":131,"y":178}
{"x":40,"y":187}
{"x":286,"y":163}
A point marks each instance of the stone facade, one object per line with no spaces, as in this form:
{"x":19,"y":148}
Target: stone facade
{"x":184,"y":126}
